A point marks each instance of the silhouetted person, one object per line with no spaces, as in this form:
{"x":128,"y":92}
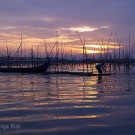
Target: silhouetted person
{"x":99,"y":67}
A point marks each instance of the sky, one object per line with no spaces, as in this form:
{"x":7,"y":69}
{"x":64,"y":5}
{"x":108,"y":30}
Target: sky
{"x":53,"y":20}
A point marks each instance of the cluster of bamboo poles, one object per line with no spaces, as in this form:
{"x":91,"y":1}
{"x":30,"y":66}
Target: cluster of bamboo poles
{"x":120,"y":56}
{"x":115,"y":57}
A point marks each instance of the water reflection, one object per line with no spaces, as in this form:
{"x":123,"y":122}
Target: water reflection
{"x":99,"y":80}
{"x":65,"y":103}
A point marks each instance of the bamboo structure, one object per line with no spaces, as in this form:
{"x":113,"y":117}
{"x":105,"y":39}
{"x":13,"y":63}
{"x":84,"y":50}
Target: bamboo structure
{"x":120,"y":57}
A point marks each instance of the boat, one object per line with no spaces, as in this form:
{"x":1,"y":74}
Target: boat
{"x":79,"y":73}
{"x":37,"y":69}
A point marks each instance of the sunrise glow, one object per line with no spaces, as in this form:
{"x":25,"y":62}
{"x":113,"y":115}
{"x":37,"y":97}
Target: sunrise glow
{"x":102,"y":46}
{"x":70,"y":31}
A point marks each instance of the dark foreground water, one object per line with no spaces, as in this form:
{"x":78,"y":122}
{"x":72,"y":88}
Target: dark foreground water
{"x":37,"y":104}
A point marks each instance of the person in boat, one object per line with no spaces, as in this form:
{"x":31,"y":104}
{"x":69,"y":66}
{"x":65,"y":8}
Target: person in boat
{"x":99,"y":67}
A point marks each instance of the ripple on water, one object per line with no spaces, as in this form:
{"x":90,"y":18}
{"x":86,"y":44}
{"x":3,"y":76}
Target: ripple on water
{"x":67,"y":104}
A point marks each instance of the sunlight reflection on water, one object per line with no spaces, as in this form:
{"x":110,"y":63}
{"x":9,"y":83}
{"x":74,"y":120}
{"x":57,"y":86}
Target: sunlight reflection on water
{"x":53,"y":104}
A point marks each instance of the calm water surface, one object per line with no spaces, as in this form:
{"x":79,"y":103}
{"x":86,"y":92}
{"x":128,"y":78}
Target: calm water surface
{"x":37,"y":104}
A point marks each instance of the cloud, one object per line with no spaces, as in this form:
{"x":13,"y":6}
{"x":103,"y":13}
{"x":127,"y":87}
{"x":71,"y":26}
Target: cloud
{"x":8,"y":27}
{"x":42,"y":18}
{"x":105,"y":27}
{"x":87,"y":12}
{"x":81,"y":29}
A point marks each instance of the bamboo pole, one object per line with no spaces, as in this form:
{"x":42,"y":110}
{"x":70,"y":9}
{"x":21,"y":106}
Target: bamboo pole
{"x":83,"y":49}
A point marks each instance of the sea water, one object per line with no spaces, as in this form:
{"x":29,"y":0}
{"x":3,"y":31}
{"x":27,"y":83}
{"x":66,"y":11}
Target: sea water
{"x":39,"y":104}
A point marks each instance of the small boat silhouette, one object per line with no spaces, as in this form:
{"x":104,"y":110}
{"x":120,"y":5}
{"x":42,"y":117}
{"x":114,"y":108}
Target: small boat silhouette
{"x":37,"y":69}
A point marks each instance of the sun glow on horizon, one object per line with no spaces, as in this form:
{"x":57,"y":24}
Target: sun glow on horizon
{"x":97,"y":46}
{"x":93,"y":51}
{"x":65,"y":40}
